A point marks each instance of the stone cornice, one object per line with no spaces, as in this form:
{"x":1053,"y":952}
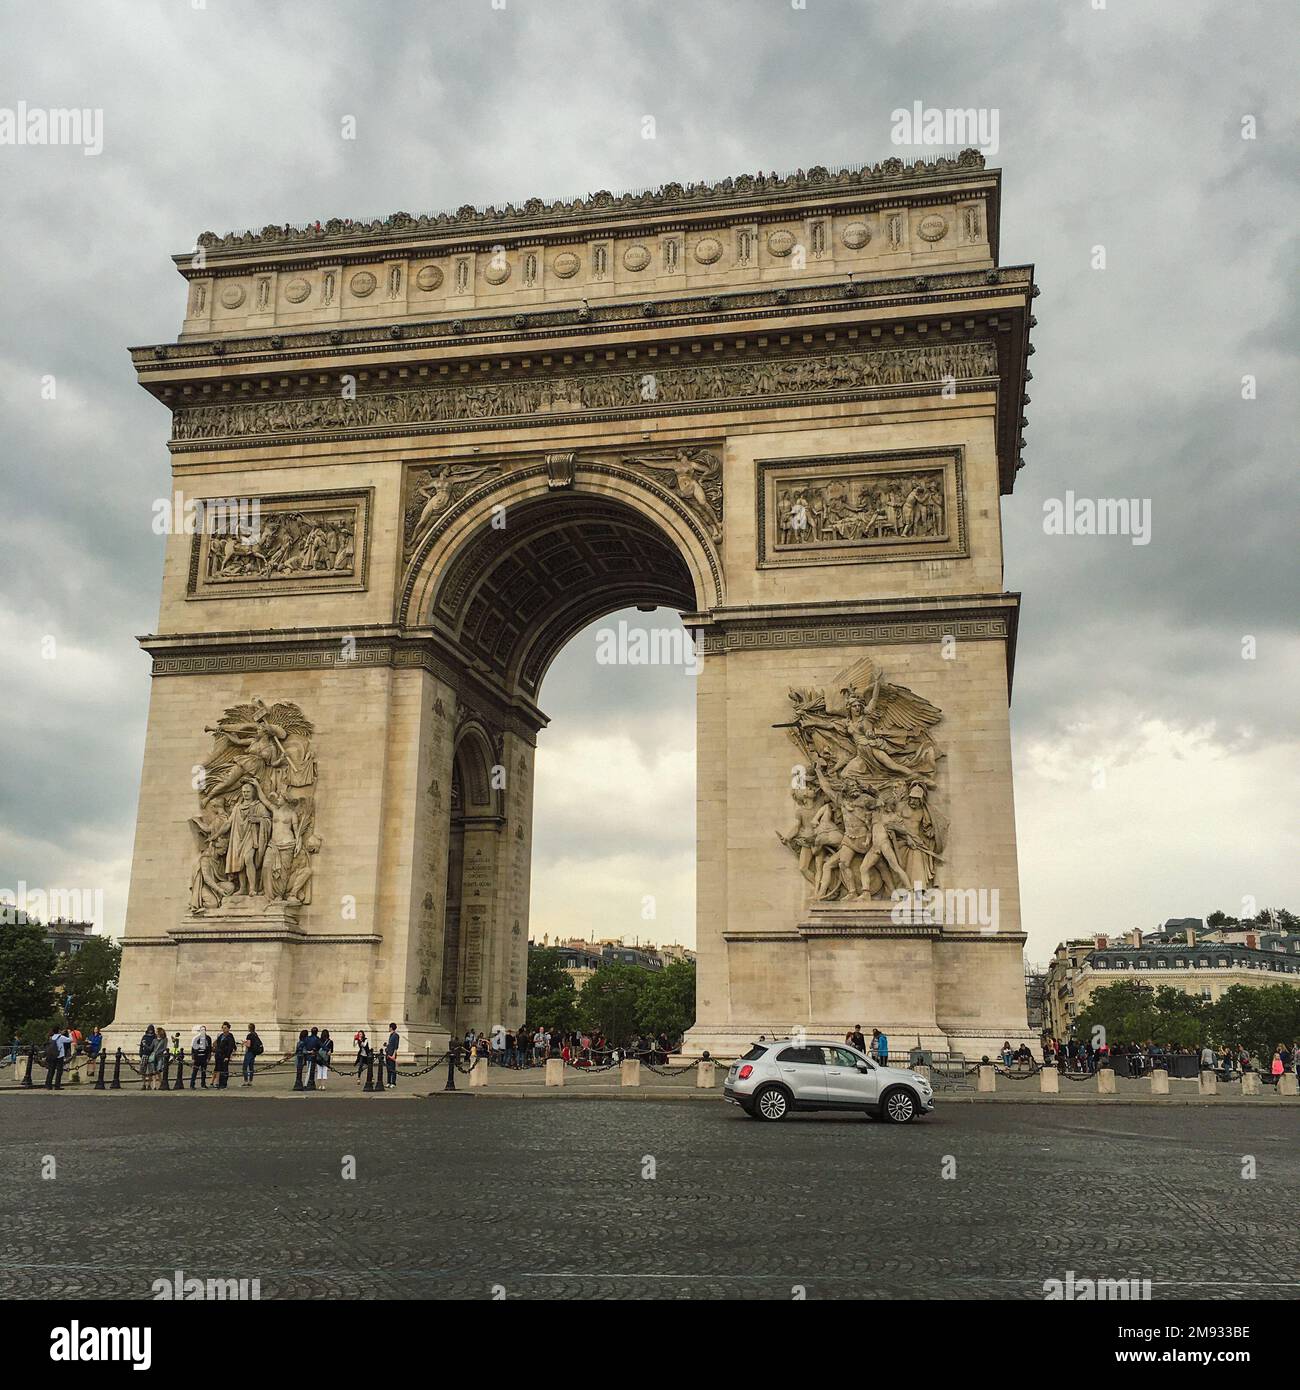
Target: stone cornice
{"x":861,"y":622}
{"x":537,"y":215}
{"x":370,"y":646}
{"x":531,"y":326}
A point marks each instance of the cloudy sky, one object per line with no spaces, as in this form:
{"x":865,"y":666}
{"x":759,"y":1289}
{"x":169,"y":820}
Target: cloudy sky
{"x":1155,"y":763}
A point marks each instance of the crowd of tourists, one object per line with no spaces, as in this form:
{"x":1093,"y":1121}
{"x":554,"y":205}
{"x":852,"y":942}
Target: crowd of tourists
{"x":521,"y":1048}
{"x":1083,"y":1057}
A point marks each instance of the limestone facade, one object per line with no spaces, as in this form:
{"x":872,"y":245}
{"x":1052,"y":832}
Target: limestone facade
{"x":532,"y":418}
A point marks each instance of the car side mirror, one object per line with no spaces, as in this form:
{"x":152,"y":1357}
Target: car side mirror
{"x":864,"y":1066}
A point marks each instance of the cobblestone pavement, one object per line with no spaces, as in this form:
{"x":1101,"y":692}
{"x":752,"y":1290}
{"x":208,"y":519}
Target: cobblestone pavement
{"x":455,"y":1196}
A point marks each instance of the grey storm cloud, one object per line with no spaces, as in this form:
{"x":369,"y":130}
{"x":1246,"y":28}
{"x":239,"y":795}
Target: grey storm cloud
{"x":1119,"y":128}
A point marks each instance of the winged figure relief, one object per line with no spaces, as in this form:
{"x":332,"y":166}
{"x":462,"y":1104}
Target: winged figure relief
{"x":864,"y":822}
{"x":435,"y":492}
{"x":695,"y":475}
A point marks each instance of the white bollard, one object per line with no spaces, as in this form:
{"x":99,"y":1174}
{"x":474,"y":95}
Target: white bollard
{"x":706,"y":1076}
{"x":555,"y":1071}
{"x":1105,"y":1081}
{"x":1208,"y":1083}
{"x":1049,"y":1081}
{"x":988,"y":1079}
{"x":1288,"y":1084}
{"x":478,"y":1075}
{"x":1250,"y":1083}
{"x":629,"y":1072}
{"x":1159,"y":1082}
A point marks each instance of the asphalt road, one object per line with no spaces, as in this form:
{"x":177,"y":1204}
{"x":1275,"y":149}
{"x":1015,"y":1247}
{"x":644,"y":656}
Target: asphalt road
{"x":474,"y":1197}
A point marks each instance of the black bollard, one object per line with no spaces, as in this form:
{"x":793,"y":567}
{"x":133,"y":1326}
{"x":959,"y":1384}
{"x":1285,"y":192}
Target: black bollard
{"x":451,"y":1070}
{"x":103,"y":1062}
{"x":311,"y":1072}
{"x":166,"y":1071}
{"x":370,"y":1073}
{"x":180,"y":1072}
{"x":379,"y":1071}
{"x":116,"y":1083}
{"x":27,"y":1078}
{"x":297,"y":1072}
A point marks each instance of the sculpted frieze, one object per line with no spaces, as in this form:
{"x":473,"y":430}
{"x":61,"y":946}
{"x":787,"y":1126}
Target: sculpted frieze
{"x":642,"y":391}
{"x":291,"y":543}
{"x":862,"y":507}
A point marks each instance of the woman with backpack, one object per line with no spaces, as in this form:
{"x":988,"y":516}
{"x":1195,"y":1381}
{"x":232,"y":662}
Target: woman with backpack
{"x":323,"y":1054}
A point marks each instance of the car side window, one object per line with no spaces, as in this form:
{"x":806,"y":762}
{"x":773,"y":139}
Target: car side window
{"x":842,"y":1057}
{"x":811,"y":1055}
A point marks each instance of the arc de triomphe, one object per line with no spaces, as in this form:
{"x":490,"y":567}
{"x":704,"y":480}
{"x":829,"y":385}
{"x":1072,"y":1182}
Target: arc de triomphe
{"x":431,"y":449}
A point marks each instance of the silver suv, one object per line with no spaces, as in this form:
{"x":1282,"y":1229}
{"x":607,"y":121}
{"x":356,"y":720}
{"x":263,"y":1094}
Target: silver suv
{"x":774,"y":1078}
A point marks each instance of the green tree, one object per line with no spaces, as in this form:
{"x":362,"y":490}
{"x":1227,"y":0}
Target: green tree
{"x":552,"y":997}
{"x":1184,"y":1019}
{"x":1119,"y":1013}
{"x":1256,"y":1017}
{"x":28,"y":969}
{"x":608,"y":1001}
{"x":667,"y":1000}
{"x":90,"y":983}
{"x":1219,"y":918}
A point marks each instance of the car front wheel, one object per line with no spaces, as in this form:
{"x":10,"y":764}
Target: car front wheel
{"x":898,"y":1106}
{"x":771,"y":1103}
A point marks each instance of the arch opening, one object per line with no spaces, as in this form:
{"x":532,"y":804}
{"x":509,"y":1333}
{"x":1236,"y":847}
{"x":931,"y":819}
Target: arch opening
{"x":512,"y":597}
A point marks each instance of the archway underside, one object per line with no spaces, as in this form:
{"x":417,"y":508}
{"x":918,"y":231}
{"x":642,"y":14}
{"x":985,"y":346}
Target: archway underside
{"x":513,"y":597}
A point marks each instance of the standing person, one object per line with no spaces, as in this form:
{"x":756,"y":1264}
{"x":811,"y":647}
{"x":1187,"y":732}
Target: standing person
{"x":146,"y":1047}
{"x":882,"y":1050}
{"x":323,"y":1054}
{"x":1275,"y":1070}
{"x":222,"y":1052}
{"x":873,"y":1051}
{"x":15,"y":1043}
{"x":299,"y":1057}
{"x":364,"y":1053}
{"x":161,"y":1047}
{"x":390,"y":1053}
{"x":309,"y":1050}
{"x":56,"y":1058}
{"x":94,"y":1042}
{"x":1208,"y":1059}
{"x":253,"y":1049}
{"x":200,"y":1056}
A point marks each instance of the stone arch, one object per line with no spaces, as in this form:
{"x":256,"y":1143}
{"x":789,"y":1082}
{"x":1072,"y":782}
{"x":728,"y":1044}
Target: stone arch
{"x":512,"y":595}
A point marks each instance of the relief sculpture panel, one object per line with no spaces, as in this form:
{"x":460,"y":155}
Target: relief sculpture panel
{"x":861,"y":507}
{"x":287,"y":544}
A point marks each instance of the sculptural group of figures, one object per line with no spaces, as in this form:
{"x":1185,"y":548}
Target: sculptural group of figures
{"x":285,"y":544}
{"x":831,"y":509}
{"x":864,"y":827}
{"x":592,"y":391}
{"x":254,"y":834}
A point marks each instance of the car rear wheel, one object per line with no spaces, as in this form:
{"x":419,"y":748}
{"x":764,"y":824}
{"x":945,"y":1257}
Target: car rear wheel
{"x":898,"y":1106}
{"x":771,"y":1103}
